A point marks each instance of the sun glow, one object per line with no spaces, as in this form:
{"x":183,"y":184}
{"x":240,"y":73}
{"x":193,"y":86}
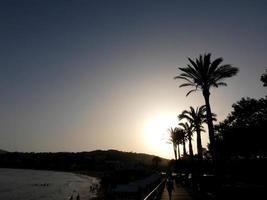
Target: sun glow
{"x":156,"y":134}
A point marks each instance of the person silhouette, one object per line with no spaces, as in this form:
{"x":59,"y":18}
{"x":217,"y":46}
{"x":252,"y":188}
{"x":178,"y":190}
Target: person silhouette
{"x":169,"y":186}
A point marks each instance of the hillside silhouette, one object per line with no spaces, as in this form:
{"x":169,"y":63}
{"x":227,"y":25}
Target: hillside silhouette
{"x":2,"y":151}
{"x":97,"y":161}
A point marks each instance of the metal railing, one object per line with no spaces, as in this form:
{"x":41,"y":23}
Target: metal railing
{"x":155,"y":194}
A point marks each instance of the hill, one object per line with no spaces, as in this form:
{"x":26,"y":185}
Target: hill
{"x":96,"y":161}
{"x":3,"y":151}
{"x":129,"y":157}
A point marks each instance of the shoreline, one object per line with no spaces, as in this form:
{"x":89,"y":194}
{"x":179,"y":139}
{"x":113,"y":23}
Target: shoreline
{"x":72,"y":182}
{"x":96,"y":175}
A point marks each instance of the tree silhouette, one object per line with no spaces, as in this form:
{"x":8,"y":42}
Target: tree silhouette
{"x":188,"y":129}
{"x":181,"y":135}
{"x":196,"y":117}
{"x":173,"y":140}
{"x":264,"y":79}
{"x":178,"y":148}
{"x":243,"y":130}
{"x":204,"y":74}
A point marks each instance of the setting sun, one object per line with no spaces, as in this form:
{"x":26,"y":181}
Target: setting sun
{"x":156,"y":133}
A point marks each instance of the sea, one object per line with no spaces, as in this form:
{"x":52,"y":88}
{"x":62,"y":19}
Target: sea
{"x":24,"y":184}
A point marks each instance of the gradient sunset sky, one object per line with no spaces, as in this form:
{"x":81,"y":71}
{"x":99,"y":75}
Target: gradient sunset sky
{"x":82,"y":75}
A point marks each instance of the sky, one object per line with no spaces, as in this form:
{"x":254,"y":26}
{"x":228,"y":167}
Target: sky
{"x":80,"y":75}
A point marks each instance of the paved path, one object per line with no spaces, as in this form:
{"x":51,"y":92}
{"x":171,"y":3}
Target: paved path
{"x":179,"y":193}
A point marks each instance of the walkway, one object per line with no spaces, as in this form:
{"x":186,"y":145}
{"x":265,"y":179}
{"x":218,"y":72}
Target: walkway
{"x":179,"y":193}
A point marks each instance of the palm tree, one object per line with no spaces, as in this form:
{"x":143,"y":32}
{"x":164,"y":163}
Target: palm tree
{"x":196,"y":117}
{"x":264,"y":79}
{"x":188,"y":129}
{"x":173,"y":140}
{"x":204,"y":74}
{"x":178,"y":140}
{"x":181,"y":138}
{"x":178,"y":148}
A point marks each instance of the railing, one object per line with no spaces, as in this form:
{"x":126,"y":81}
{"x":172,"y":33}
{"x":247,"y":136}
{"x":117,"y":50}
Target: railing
{"x":156,"y":192}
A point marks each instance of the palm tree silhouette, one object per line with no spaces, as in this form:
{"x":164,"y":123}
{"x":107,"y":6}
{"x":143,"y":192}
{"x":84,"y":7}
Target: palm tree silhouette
{"x":204,"y":74}
{"x":177,"y":137}
{"x":179,"y":141}
{"x":196,"y":117}
{"x":188,"y":129}
{"x":264,"y":79}
{"x":173,"y":140}
{"x":181,"y":135}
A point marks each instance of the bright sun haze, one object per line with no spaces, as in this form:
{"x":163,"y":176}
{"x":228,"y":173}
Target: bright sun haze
{"x":156,"y":133}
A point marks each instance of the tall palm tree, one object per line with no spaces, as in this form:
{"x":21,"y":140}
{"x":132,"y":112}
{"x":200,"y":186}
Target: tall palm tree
{"x":196,"y":117}
{"x":188,"y":129}
{"x":178,"y":140}
{"x":173,"y":140}
{"x":204,"y":74}
{"x":178,"y":148}
{"x":181,"y":138}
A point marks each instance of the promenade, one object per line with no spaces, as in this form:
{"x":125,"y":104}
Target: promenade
{"x":179,"y":193}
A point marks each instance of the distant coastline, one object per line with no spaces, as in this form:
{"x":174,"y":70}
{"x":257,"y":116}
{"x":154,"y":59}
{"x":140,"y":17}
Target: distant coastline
{"x":110,"y":167}
{"x":94,"y":162}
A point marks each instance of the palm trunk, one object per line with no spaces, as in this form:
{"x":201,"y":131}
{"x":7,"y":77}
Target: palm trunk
{"x":199,"y":145}
{"x":190,"y":148}
{"x":178,"y":150}
{"x":184,"y":147}
{"x":206,"y":95}
{"x":174,"y":149}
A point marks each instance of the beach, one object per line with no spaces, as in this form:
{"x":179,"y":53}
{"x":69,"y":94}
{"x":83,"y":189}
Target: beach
{"x":21,"y":184}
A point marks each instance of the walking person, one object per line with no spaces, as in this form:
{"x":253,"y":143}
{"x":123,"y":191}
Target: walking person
{"x":71,"y":197}
{"x":170,"y":187}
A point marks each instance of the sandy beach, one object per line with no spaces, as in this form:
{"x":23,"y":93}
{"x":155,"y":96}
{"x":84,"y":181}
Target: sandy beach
{"x":23,"y":184}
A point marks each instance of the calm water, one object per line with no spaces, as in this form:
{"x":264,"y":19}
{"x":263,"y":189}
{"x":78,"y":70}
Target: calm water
{"x":18,"y":184}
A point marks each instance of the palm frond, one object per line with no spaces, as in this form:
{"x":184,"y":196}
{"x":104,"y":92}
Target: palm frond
{"x":184,"y":78}
{"x":190,"y":73}
{"x":186,"y":84}
{"x":204,"y":73}
{"x":221,"y":84}
{"x":207,"y":61}
{"x":225,"y":71}
{"x":214,"y":65}
{"x":193,"y":63}
{"x":185,"y":115}
{"x":190,"y":92}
